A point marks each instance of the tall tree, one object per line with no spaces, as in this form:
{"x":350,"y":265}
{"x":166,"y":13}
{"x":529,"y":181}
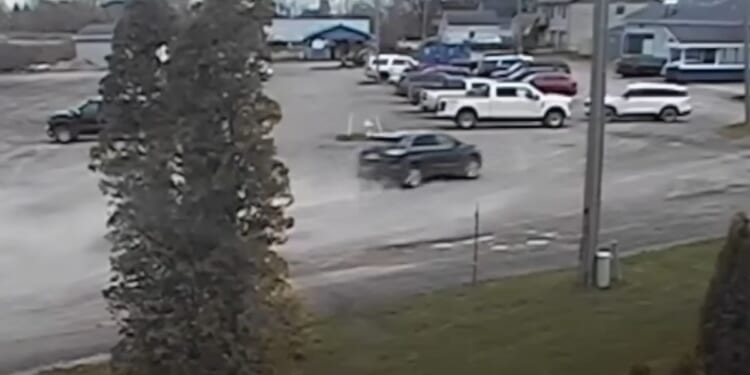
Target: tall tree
{"x":132,"y":164}
{"x":226,"y":305}
{"x":724,"y":345}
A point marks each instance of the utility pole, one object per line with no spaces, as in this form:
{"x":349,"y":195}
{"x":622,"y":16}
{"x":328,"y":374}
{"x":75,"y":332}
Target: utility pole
{"x":746,"y":48}
{"x":377,"y":38}
{"x":519,"y":26}
{"x":425,"y":11}
{"x":592,"y":192}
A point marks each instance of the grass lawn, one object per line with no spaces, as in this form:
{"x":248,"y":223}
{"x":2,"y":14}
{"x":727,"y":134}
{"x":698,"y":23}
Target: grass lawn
{"x":735,"y":131}
{"x":530,"y":325}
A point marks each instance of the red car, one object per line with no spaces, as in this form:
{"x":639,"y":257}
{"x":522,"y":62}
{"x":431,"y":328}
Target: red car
{"x":554,"y":83}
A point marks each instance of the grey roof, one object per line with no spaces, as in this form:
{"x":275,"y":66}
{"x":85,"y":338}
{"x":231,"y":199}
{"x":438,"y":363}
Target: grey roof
{"x":707,"y":33}
{"x":97,"y":29}
{"x":691,"y":11}
{"x":472,"y":17}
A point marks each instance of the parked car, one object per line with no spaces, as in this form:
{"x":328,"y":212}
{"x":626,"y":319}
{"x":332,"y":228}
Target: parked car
{"x":521,"y":74}
{"x":506,"y":101}
{"x":553,"y":83}
{"x":664,"y":101}
{"x":493,"y":62}
{"x":385,"y":65}
{"x":68,"y":125}
{"x":533,"y":66}
{"x":639,"y":66}
{"x":410,"y":158}
{"x":436,"y":80}
{"x":431,"y":97}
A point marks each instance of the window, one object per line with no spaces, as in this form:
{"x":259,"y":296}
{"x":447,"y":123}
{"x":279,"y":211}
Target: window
{"x":675,"y":54}
{"x":524,"y":93}
{"x":563,"y":11}
{"x":634,"y":43}
{"x":479,"y":86}
{"x":445,"y":140}
{"x":700,"y":56}
{"x":428,"y":140}
{"x":482,"y":91}
{"x":380,"y":62}
{"x":455,"y":84}
{"x":731,"y":56}
{"x":620,"y":10}
{"x":400,"y":62}
{"x":89,"y":110}
{"x":505,"y":92}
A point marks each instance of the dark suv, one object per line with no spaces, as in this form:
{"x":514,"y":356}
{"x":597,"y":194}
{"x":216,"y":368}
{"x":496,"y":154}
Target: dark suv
{"x":409,"y":158}
{"x":66,"y":126}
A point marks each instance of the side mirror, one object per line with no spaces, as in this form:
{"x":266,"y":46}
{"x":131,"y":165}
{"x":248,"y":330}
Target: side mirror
{"x":533,"y":96}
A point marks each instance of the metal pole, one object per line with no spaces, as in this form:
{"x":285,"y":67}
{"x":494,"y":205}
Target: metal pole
{"x":594,"y":146}
{"x":475,"y":264}
{"x":377,"y":38}
{"x":746,"y":26}
{"x":425,"y":9}
{"x":519,"y":26}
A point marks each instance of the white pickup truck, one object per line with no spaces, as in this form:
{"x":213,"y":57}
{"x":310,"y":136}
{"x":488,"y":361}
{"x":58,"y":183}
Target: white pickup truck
{"x":431,"y":97}
{"x":506,"y":101}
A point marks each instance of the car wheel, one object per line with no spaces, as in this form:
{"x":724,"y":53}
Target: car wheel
{"x":554,"y":118}
{"x":384,"y":76}
{"x":473,"y":168}
{"x":466,"y":119}
{"x":668,"y":114}
{"x":413,"y":178}
{"x":63,"y":134}
{"x":609,"y":114}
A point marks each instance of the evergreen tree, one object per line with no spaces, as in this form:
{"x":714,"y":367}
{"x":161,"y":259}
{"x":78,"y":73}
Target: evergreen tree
{"x":216,"y":296}
{"x":724,"y":345}
{"x":132,"y":162}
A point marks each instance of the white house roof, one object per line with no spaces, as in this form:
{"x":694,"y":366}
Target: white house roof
{"x":295,"y":30}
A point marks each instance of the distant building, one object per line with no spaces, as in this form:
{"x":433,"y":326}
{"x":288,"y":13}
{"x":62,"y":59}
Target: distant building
{"x":568,"y":24}
{"x":482,"y":29}
{"x":94,"y":43}
{"x":701,"y":41}
{"x":316,"y":37}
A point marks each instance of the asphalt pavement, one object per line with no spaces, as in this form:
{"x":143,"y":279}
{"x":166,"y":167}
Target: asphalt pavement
{"x":356,"y":244}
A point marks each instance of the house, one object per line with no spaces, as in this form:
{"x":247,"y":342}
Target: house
{"x":335,"y":42}
{"x":315,"y":37}
{"x":482,"y":29}
{"x":700,"y":41}
{"x":568,"y":24}
{"x":93,"y":43}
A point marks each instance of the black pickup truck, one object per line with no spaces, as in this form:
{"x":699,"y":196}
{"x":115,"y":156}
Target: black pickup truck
{"x":68,"y":125}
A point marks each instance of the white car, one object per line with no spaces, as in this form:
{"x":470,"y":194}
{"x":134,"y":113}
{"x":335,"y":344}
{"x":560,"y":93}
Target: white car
{"x":431,"y":97}
{"x":386,"y":66}
{"x":506,"y":101}
{"x":667,"y":102}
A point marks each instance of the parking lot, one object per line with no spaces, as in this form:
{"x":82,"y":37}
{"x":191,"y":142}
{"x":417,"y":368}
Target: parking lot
{"x":355,"y":243}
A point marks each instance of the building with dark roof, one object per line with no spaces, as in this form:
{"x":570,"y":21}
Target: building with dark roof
{"x":700,"y":39}
{"x":476,"y":27}
{"x":566,"y":25}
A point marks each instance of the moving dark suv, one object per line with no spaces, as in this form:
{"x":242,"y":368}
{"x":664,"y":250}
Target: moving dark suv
{"x":409,"y":158}
{"x":66,"y":126}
